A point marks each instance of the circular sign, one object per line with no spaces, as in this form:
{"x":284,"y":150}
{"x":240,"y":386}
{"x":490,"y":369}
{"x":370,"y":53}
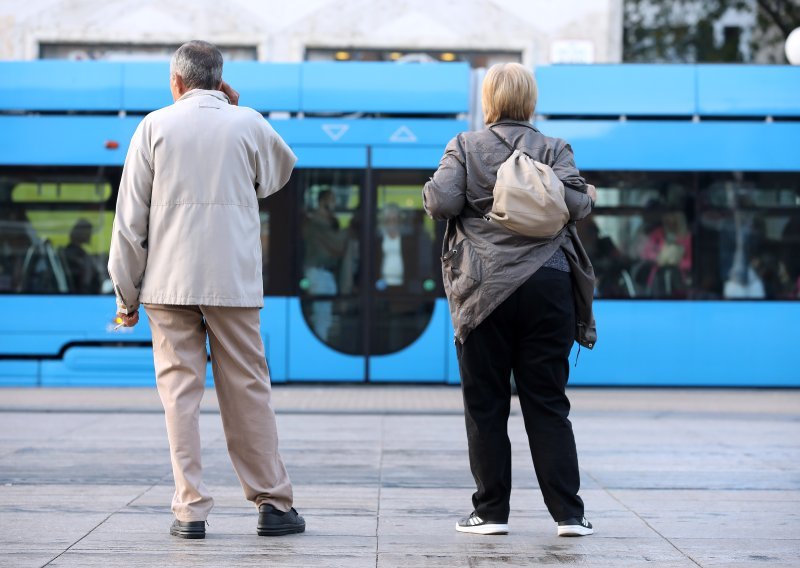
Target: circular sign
{"x":793,"y":47}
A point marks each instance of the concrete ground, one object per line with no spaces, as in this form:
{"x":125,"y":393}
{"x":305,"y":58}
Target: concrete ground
{"x":679,"y":478}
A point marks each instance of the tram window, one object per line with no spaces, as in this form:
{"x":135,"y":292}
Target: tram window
{"x":370,"y":278}
{"x":408,"y":236}
{"x":639,"y":236}
{"x":406,"y":267}
{"x":54,"y":235}
{"x":330,"y":256}
{"x":749,"y":235}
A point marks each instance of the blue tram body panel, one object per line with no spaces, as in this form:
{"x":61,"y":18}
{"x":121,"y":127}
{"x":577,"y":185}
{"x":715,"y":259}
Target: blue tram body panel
{"x":377,"y":87}
{"x":748,"y":90}
{"x":405,"y":365}
{"x":19,"y":373}
{"x":679,"y":343}
{"x":680,"y":146}
{"x":675,"y":343}
{"x":400,"y":117}
{"x":81,"y":347}
{"x":598,"y":145}
{"x":669,"y":90}
{"x":318,"y":143}
{"x":616,"y":90}
{"x":61,"y":86}
{"x":641,"y":343}
{"x":264,"y":87}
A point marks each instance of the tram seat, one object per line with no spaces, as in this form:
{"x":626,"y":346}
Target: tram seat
{"x":42,"y":271}
{"x":647,"y":279}
{"x":626,"y":280}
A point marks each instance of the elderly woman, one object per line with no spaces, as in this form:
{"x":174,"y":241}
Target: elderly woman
{"x":517,"y":304}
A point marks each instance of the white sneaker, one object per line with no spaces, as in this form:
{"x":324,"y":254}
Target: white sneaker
{"x":476,"y":525}
{"x":575,"y":527}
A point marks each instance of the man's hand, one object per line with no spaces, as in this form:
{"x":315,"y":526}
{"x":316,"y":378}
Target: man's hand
{"x":127,"y":320}
{"x":229,"y":91}
{"x":591,"y":191}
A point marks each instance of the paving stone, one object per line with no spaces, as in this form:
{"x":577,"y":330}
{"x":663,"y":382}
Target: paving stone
{"x":734,"y":552}
{"x":670,"y":478}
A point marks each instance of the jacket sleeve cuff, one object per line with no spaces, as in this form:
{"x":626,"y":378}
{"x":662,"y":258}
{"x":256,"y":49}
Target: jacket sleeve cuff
{"x":127,"y":310}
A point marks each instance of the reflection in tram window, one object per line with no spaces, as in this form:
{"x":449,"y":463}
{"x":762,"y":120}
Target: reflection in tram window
{"x":705,"y":236}
{"x":750,"y":235}
{"x":325,"y":247}
{"x":668,"y":249}
{"x":263,"y":217}
{"x":82,"y":272}
{"x":384,"y":260}
{"x":607,"y":260}
{"x":54,"y":236}
{"x":392,"y":250}
{"x":331,"y":225}
{"x":638,"y":236}
{"x":404,"y":269}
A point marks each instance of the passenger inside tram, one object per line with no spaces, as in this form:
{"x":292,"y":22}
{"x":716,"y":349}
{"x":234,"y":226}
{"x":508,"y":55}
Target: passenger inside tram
{"x":16,"y":238}
{"x":607,"y":260}
{"x":669,"y":250}
{"x":404,"y":262}
{"x":82,"y":273}
{"x":394,"y":254}
{"x":325,"y":246}
{"x":790,"y":256}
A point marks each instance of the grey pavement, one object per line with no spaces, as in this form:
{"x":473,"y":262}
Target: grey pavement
{"x":671,"y":477}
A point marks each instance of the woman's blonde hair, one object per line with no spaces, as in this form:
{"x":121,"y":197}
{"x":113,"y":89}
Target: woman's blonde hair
{"x":509,"y":91}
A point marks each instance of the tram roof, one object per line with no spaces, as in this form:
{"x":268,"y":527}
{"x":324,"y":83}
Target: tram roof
{"x":411,"y":88}
{"x":389,"y":115}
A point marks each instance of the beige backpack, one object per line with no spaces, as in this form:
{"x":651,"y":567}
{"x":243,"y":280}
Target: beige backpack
{"x":528,"y":196}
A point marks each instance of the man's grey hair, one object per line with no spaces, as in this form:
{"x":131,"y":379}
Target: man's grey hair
{"x":199,"y":64}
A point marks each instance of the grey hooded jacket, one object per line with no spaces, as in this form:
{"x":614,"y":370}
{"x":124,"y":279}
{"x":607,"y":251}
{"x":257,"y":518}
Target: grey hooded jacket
{"x":482,"y":262}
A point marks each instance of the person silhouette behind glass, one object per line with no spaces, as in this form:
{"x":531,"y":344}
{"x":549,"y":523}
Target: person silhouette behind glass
{"x":84,"y":277}
{"x":325,"y":245}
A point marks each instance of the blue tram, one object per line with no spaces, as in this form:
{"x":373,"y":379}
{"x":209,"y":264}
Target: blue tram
{"x":695,"y":236}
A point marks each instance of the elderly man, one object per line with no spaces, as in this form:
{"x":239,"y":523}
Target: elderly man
{"x":186,"y":245}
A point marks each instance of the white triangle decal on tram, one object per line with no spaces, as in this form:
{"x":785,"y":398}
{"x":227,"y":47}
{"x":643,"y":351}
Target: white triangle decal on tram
{"x":335,"y":131}
{"x":403,"y":134}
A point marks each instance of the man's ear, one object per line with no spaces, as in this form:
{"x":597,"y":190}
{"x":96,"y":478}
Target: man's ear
{"x":181,"y":86}
{"x":176,"y":86}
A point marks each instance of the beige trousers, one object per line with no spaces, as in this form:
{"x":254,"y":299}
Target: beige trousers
{"x":241,"y":379}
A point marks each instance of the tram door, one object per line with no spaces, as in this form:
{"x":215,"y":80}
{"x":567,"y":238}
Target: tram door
{"x":369,"y":277}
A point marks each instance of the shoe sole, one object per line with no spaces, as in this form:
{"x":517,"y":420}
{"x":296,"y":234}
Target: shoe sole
{"x":487,"y":529}
{"x":574,"y":530}
{"x":279,"y":530}
{"x":188,"y":534}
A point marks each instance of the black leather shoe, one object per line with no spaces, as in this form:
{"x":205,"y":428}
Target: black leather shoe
{"x":272,"y":522}
{"x":188,"y":529}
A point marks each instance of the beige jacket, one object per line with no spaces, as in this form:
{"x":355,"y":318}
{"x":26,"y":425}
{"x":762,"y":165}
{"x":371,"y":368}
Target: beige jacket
{"x":187,"y":226}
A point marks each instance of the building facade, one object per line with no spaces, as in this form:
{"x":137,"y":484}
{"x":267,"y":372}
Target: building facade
{"x":483,"y":32}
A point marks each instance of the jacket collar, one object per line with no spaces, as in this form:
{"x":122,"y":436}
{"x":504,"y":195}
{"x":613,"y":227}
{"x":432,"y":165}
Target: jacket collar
{"x":509,"y":122}
{"x":204,"y":92}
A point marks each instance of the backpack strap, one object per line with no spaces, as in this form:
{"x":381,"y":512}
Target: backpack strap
{"x":505,"y":142}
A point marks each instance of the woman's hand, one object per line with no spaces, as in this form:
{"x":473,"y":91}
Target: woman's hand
{"x":591,"y":191}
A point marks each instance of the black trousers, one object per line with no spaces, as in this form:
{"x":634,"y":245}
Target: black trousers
{"x":532,"y":333}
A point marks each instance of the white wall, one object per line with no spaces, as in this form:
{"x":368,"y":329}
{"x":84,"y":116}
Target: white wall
{"x":281,"y":30}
